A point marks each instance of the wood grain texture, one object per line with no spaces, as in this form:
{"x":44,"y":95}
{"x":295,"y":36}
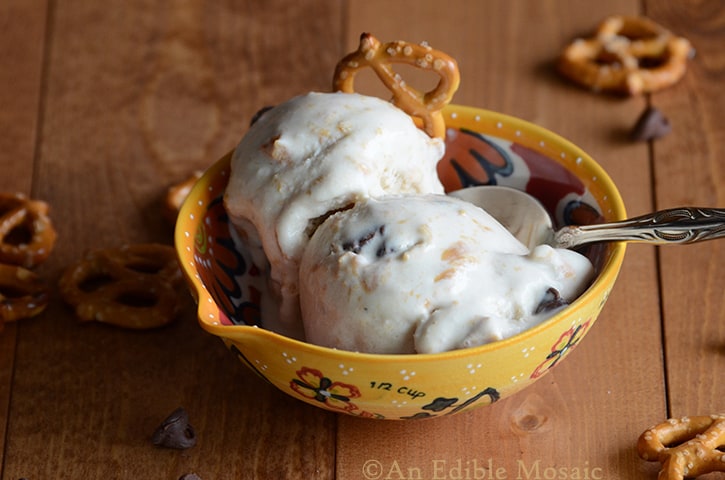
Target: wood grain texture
{"x":138,"y":94}
{"x":105,"y":104}
{"x":606,"y":387}
{"x":689,"y":166}
{"x":22,"y":46}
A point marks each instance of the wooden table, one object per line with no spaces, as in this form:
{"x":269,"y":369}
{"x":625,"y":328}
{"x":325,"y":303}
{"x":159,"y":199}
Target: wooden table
{"x":103,"y":105}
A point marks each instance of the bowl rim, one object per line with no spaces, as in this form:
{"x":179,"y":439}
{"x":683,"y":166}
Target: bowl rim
{"x":206,"y":304}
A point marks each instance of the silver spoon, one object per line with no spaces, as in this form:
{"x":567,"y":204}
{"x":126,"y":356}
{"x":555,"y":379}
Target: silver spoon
{"x":529,"y":222}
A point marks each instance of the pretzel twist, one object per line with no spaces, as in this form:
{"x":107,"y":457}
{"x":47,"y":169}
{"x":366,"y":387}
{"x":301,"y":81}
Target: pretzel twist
{"x":426,"y":106}
{"x":22,"y":294}
{"x":176,"y":194}
{"x":686,"y":447}
{"x":27,"y":235}
{"x":133,"y":286}
{"x":628,"y":55}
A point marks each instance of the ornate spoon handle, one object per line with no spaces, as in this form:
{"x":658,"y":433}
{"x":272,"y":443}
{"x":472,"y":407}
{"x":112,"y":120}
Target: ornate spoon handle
{"x":665,"y":227}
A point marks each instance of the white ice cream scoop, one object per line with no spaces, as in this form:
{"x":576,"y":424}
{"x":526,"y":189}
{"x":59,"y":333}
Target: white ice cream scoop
{"x":309,"y":157}
{"x":529,"y":221}
{"x":427,"y":274}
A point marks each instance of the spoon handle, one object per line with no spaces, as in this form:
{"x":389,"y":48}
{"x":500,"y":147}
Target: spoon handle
{"x":665,"y":227}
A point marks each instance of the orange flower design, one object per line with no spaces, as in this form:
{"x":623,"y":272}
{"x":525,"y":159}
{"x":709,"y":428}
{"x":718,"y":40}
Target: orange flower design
{"x":567,"y":341}
{"x":312,"y":384}
{"x":472,"y":159}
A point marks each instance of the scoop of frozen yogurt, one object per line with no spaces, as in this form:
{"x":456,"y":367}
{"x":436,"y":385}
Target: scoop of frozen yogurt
{"x":309,"y":157}
{"x":427,"y":274}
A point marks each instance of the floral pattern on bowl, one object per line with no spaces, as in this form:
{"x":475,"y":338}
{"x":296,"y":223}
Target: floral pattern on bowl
{"x":482,"y":148}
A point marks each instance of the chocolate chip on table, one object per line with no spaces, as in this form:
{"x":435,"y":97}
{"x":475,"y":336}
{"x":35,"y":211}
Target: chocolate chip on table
{"x":650,"y":125}
{"x":175,"y":431}
{"x":190,"y":476}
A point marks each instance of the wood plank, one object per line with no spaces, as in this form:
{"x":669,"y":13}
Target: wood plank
{"x":22,"y":45}
{"x":139,"y":94}
{"x":591,"y":399}
{"x":693,"y":280}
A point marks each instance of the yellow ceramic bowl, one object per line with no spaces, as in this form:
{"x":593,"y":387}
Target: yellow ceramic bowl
{"x":483,"y":147}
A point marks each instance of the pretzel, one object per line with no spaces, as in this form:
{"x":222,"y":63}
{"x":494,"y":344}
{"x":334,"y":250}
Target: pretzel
{"x":176,"y":194}
{"x":132,"y":286}
{"x":22,"y":294}
{"x":686,"y":447}
{"x":426,"y":106}
{"x":628,"y":55}
{"x":27,"y":235}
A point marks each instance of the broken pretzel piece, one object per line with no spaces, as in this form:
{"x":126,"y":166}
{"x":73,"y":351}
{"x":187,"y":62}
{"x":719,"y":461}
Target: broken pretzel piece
{"x":177,"y":193}
{"x":27,"y":235}
{"x":686,"y":447}
{"x":22,"y":294}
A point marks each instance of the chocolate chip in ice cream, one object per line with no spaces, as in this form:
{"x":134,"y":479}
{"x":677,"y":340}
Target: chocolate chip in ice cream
{"x":551,"y":301}
{"x":314,"y":223}
{"x":357,"y":244}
